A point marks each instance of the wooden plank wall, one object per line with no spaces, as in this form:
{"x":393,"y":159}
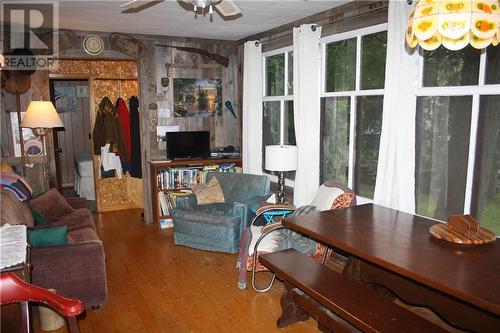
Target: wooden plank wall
{"x":225,"y":129}
{"x":75,"y":137}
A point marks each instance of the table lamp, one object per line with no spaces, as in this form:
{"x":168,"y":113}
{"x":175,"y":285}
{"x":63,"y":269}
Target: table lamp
{"x":42,"y":116}
{"x":281,"y":159}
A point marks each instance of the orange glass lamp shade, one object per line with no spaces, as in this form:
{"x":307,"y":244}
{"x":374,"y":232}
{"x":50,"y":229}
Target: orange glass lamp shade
{"x":41,"y":114}
{"x":454,"y":24}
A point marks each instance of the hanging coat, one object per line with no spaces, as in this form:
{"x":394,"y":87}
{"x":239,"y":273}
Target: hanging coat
{"x":135,"y":138}
{"x":107,"y":129}
{"x":124,"y":117}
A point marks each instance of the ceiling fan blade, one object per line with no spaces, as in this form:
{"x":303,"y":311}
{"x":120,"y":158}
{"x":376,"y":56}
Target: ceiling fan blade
{"x":136,"y":6}
{"x":228,"y":8}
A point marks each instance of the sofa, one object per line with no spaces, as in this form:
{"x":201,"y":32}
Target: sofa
{"x":218,"y":226}
{"x":76,"y":269}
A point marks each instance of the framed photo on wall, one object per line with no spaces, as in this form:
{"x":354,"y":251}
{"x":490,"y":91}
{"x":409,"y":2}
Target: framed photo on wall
{"x":65,"y":99}
{"x":197,"y":97}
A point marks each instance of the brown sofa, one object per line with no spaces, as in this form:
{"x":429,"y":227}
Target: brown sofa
{"x":76,"y":269}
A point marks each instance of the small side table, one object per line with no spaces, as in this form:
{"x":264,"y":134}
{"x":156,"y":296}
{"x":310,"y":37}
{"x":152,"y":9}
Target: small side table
{"x":271,"y":214}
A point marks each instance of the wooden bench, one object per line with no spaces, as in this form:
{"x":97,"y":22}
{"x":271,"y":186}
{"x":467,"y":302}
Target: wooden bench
{"x":317,"y":291}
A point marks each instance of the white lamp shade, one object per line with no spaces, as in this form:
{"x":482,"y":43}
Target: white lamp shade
{"x":41,"y":114}
{"x":281,"y":158}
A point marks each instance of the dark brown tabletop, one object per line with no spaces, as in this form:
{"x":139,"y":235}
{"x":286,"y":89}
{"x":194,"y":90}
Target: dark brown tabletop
{"x":402,"y":243}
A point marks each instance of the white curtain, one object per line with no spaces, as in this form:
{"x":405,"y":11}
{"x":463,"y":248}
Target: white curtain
{"x":395,"y":185}
{"x":306,"y":111}
{"x":252,"y":108}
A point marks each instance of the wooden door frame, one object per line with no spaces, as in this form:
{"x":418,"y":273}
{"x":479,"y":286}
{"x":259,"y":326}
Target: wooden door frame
{"x":92,"y":112}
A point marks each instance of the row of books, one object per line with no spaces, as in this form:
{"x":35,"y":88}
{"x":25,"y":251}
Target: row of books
{"x":167,"y":200}
{"x":186,"y":177}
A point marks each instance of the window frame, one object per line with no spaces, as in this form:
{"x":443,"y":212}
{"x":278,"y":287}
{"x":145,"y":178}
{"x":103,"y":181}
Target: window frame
{"x":352,"y":94}
{"x":281,"y":98}
{"x":476,"y":91}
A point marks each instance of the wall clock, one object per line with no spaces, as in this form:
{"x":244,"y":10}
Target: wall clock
{"x":33,"y":147}
{"x":93,"y":44}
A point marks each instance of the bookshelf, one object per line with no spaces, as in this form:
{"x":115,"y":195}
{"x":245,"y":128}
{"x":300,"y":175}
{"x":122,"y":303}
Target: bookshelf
{"x":169,"y":178}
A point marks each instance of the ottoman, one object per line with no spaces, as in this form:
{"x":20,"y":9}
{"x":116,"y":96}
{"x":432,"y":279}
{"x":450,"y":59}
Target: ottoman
{"x":212,"y":227}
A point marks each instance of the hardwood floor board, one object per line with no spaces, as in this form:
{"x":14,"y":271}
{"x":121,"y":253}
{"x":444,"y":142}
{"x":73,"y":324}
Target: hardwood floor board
{"x":155,"y":286}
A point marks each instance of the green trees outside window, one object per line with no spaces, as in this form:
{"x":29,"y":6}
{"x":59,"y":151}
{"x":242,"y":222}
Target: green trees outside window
{"x":346,"y":101}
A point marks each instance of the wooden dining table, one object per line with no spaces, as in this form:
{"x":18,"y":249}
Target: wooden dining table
{"x":395,"y":250}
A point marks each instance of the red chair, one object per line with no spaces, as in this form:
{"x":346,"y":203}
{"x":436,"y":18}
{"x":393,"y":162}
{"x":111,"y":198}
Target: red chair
{"x":15,"y":290}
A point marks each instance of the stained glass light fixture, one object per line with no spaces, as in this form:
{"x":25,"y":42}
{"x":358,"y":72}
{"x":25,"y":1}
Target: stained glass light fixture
{"x":454,"y":24}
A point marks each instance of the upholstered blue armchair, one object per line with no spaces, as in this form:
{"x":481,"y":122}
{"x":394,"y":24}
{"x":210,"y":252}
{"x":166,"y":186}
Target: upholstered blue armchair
{"x":218,"y":226}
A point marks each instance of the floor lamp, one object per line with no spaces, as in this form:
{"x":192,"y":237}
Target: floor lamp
{"x":281,"y":159}
{"x":42,"y":116}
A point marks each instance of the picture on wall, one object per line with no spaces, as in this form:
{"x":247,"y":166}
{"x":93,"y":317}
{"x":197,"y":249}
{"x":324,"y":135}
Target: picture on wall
{"x":65,"y":99}
{"x":197,"y":97}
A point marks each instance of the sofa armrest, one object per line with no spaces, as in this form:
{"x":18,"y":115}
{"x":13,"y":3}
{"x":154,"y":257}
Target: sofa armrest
{"x":77,"y":202}
{"x":80,"y":218}
{"x":75,"y":270}
{"x":185,"y":201}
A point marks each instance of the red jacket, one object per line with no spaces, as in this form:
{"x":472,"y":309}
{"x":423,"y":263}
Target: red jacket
{"x":124,"y":117}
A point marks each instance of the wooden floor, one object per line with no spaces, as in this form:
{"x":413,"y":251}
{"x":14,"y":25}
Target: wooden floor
{"x":155,"y":286}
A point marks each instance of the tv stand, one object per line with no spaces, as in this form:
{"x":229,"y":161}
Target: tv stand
{"x":163,"y":167}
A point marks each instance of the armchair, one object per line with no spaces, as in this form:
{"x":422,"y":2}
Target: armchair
{"x":218,"y":226}
{"x":256,"y":240}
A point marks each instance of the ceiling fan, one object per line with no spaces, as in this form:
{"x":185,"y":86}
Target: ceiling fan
{"x":226,"y":8}
{"x":136,"y":6}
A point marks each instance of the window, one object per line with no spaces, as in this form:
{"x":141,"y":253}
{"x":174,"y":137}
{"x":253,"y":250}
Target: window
{"x":27,"y":133}
{"x":278,"y":127}
{"x":458,"y":135}
{"x":351,"y":107}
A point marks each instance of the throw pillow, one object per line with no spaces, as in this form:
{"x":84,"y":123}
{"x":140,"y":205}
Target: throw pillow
{"x":48,"y":236}
{"x":6,"y":168}
{"x":325,"y":197}
{"x":39,"y":219}
{"x":52,"y":205}
{"x":208,"y":193}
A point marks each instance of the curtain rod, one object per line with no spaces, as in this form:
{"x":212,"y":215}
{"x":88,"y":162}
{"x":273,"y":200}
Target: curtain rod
{"x":330,"y":21}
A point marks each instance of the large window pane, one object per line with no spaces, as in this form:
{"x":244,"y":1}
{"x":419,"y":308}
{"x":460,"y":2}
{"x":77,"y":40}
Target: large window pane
{"x":486,"y":194}
{"x":373,"y":50}
{"x":443,"y":67}
{"x":341,"y":65}
{"x":335,"y":122}
{"x":290,"y":73}
{"x":275,"y":75}
{"x":368,"y":129}
{"x":442,"y":145}
{"x":493,"y":65}
{"x":289,"y":128}
{"x":270,"y":127}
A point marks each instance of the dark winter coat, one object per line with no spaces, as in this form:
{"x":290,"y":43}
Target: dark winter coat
{"x":107,"y":129}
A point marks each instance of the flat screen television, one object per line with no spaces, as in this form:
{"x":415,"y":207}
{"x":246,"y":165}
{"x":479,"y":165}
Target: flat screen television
{"x":195,"y":144}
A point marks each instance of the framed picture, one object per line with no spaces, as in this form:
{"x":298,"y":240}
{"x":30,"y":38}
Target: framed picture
{"x":197,"y":97}
{"x":65,"y":99}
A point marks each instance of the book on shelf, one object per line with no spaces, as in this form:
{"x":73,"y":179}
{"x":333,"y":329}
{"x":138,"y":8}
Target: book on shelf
{"x":164,"y":209}
{"x":187,"y":176}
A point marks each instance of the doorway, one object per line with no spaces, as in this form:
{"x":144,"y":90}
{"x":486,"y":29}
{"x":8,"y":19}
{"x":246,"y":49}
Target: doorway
{"x":74,"y":142}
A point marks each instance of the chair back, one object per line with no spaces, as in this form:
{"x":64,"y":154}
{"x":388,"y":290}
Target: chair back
{"x":15,"y":290}
{"x":238,"y":187}
{"x":332,"y":194}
